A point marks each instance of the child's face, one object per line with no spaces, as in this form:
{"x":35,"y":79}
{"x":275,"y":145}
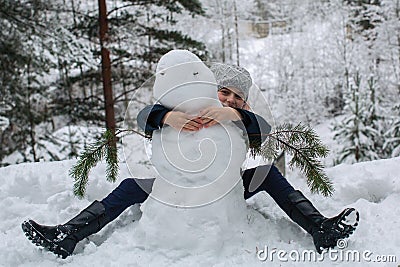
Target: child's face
{"x":231,"y":97}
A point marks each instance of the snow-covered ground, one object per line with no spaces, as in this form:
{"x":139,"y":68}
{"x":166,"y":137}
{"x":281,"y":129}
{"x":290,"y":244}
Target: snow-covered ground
{"x":43,"y":191}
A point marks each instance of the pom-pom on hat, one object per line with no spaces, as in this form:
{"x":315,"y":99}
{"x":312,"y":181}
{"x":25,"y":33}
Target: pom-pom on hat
{"x":232,"y":76}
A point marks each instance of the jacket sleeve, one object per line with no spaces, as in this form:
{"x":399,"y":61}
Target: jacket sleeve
{"x":256,"y":127}
{"x":150,"y":118}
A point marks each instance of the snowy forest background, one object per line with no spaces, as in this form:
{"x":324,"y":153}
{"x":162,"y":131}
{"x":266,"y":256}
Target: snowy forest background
{"x":313,"y":60}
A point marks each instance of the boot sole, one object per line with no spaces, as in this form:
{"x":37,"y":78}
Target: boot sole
{"x":39,"y":240}
{"x":342,"y":227}
{"x":347,"y":227}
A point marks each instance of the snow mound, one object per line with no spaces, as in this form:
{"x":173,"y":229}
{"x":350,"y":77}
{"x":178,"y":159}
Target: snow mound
{"x":43,"y":191}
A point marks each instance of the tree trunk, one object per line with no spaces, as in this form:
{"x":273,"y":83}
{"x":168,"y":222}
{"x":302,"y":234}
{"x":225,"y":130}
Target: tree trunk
{"x":236,"y":32}
{"x":106,"y":68}
{"x":74,"y":12}
{"x":280,"y":163}
{"x":31,"y":129}
{"x":398,"y":37}
{"x":222,"y":24}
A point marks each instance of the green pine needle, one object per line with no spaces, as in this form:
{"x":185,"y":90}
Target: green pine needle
{"x":305,"y":147}
{"x":111,"y":158}
{"x":103,"y":148}
{"x":299,"y":141}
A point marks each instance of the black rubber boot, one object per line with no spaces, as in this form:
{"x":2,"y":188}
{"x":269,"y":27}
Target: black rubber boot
{"x":62,"y":239}
{"x":325,"y":231}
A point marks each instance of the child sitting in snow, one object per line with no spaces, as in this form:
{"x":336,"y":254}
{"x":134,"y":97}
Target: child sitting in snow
{"x":234,"y":84}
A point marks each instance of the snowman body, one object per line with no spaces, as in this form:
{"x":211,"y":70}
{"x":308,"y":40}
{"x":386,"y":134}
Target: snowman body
{"x":197,"y":199}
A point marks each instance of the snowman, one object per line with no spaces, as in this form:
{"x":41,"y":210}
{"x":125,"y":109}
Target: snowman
{"x":197,"y":202}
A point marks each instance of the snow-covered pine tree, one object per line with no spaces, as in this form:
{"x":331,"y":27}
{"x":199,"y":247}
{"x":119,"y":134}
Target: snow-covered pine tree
{"x":392,"y":135}
{"x":358,"y":131}
{"x":25,"y":62}
{"x":140,"y":33}
{"x":365,"y":16}
{"x":370,"y":94}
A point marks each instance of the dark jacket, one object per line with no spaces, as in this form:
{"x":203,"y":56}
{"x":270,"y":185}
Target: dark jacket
{"x":149,"y":119}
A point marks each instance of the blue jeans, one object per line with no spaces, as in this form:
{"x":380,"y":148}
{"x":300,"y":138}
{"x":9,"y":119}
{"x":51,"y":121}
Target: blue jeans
{"x":267,"y":178}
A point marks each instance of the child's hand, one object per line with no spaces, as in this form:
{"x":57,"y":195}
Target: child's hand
{"x":213,"y":115}
{"x":182,"y":121}
{"x":246,"y":106}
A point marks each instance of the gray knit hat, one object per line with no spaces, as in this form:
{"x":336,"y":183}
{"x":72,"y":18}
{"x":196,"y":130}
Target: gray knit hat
{"x":232,"y":76}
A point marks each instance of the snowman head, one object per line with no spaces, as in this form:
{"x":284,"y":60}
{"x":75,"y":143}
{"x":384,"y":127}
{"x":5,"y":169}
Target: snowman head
{"x":184,"y":83}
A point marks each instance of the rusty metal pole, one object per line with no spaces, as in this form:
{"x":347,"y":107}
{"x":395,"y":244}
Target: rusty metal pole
{"x":106,"y":68}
